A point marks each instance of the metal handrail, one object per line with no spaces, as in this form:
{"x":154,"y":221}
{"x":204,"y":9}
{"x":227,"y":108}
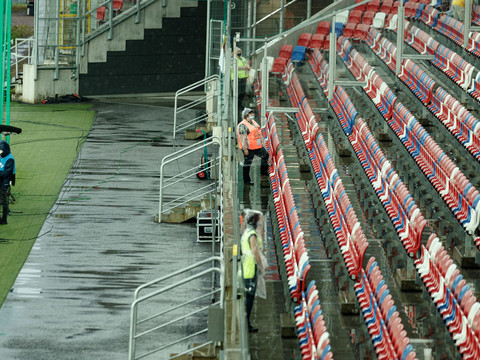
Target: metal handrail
{"x":188,"y":88}
{"x":30,"y":42}
{"x":133,"y":336}
{"x":213,"y":140}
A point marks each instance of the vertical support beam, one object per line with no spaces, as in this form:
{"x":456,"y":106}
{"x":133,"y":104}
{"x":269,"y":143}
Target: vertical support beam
{"x":264,"y":85}
{"x":249,"y":28}
{"x":110,"y":20}
{"x":35,"y":40}
{"x":57,"y":42}
{"x":254,"y":20}
{"x":235,"y":82}
{"x":208,"y":43}
{"x":3,"y":45}
{"x":282,"y":15}
{"x":309,"y":9}
{"x":467,"y":22}
{"x":77,"y":40}
{"x":332,"y":59}
{"x":8,"y":27}
{"x":400,"y":37}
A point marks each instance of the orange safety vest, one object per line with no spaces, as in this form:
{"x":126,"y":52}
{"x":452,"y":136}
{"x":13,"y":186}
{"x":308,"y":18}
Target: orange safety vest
{"x":254,"y":136}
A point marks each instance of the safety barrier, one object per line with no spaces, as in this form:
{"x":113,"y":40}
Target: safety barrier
{"x":147,"y":318}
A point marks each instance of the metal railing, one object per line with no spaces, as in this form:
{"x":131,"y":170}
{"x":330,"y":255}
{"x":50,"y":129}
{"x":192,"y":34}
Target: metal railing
{"x":211,"y":86}
{"x":22,"y":53}
{"x":190,"y":191}
{"x":160,"y":321}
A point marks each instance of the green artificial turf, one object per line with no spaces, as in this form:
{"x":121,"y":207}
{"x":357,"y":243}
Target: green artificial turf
{"x":44,"y":152}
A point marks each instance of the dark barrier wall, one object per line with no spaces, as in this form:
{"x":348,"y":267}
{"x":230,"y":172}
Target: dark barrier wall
{"x":165,"y":60}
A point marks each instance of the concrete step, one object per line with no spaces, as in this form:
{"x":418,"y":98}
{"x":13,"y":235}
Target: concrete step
{"x":189,"y":211}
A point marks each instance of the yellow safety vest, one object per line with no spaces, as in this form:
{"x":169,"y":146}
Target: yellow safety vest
{"x":248,"y":261}
{"x":242,"y":62}
{"x":460,"y":3}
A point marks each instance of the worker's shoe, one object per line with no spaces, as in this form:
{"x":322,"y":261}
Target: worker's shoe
{"x":3,"y":222}
{"x":252,"y":329}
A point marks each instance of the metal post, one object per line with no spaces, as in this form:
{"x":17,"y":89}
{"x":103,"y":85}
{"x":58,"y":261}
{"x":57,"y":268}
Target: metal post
{"x":254,"y":20}
{"x":110,"y":20}
{"x":35,"y":44}
{"x":249,"y":27}
{"x":400,"y":37}
{"x":264,"y":85}
{"x":4,"y":45}
{"x":282,"y":15}
{"x":467,"y":22}
{"x":208,"y":42}
{"x":8,"y":27}
{"x":332,"y":59}
{"x":84,"y":29}
{"x":57,"y":43}
{"x":309,"y":9}
{"x":137,"y":15}
{"x":235,"y":83}
{"x":77,"y":41}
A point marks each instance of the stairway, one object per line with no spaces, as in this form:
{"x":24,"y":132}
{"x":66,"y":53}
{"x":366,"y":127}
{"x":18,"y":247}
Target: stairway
{"x":151,"y":17}
{"x":137,"y":59}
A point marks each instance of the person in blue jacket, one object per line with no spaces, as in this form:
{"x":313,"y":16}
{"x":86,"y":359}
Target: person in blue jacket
{"x":7,"y":176}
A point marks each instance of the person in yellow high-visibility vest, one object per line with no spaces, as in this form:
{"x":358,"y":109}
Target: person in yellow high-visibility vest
{"x":249,"y":137}
{"x":251,"y":245}
{"x":243,"y":71}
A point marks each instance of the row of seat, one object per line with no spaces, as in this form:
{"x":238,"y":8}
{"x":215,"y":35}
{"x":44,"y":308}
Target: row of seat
{"x":350,"y":237}
{"x":311,"y":328}
{"x":381,"y":316}
{"x":377,"y":306}
{"x":448,"y":61}
{"x":393,"y":194}
{"x":291,"y":234}
{"x":450,"y":27}
{"x":466,"y":340}
{"x":455,"y":282}
{"x":458,"y":120}
{"x":459,"y":194}
{"x":376,"y":167}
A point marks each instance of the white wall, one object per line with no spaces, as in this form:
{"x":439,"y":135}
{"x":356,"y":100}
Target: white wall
{"x":45,"y":87}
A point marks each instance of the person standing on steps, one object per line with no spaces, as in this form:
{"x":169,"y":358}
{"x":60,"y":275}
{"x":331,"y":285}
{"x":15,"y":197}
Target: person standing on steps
{"x":252,"y":264}
{"x":7,"y":175}
{"x":250,"y":142}
{"x":243,"y":71}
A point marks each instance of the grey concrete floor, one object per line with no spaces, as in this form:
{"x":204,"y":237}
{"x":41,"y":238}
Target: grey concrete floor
{"x":72,"y":298}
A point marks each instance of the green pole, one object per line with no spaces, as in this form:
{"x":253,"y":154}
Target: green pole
{"x":2,"y":39}
{"x":8,"y":26}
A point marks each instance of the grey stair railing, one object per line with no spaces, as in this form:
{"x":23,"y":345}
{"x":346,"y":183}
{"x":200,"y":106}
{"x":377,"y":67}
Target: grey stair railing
{"x":157,"y":323}
{"x":211,"y":86}
{"x":191,"y":187}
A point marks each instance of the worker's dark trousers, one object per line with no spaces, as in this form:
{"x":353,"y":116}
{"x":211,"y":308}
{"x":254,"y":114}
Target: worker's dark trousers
{"x":4,"y":203}
{"x":263,"y":154}
{"x":250,"y":289}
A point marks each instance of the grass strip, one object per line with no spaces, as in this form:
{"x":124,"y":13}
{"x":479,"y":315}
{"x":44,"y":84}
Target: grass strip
{"x":51,"y":138}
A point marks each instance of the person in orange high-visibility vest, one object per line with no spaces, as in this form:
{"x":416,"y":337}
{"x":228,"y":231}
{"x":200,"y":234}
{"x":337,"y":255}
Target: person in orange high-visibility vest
{"x":250,"y":142}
